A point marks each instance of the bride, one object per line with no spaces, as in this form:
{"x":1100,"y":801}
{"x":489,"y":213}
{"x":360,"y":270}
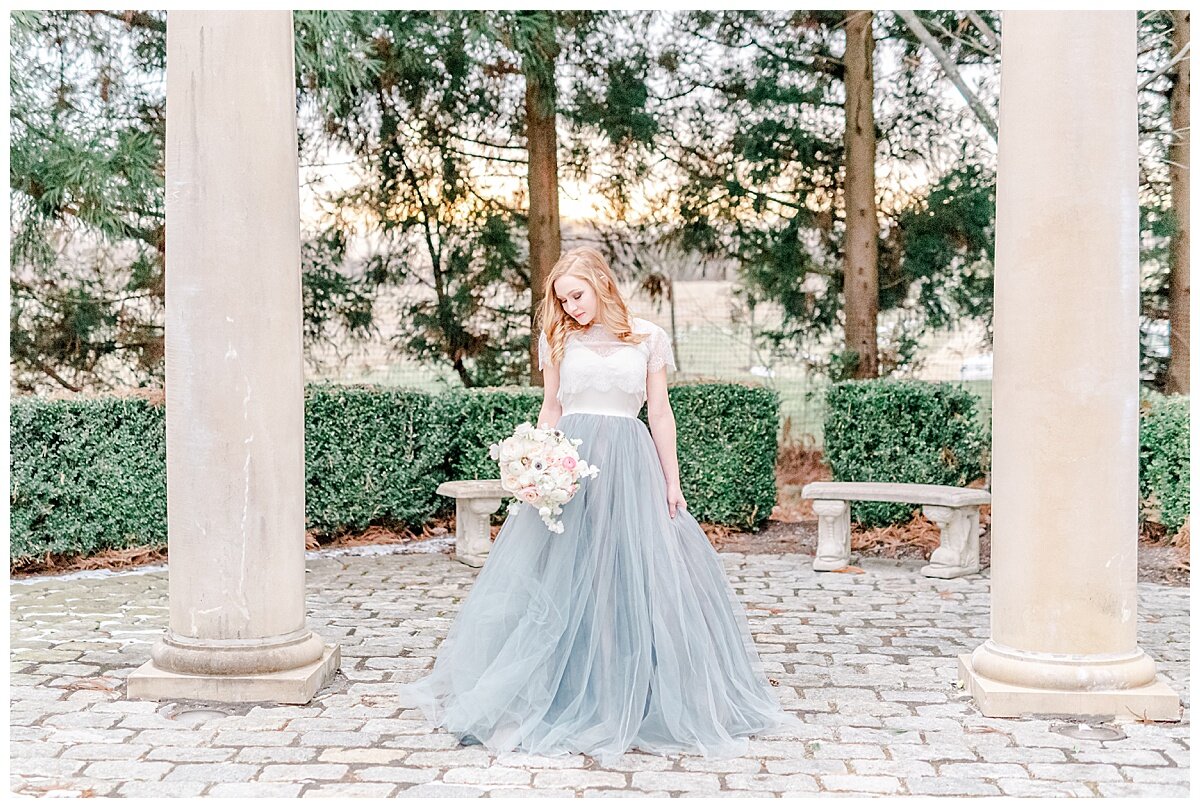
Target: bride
{"x":621,"y":632}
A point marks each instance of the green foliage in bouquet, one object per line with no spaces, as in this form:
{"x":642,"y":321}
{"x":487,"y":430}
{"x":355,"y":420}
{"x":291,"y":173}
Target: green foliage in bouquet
{"x":1164,"y":476}
{"x":902,"y":431}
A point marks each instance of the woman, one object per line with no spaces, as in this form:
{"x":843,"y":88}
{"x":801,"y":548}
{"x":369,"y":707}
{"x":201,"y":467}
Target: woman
{"x":622,"y":632}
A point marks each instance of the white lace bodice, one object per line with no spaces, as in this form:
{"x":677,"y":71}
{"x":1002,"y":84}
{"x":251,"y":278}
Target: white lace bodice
{"x":602,"y":374}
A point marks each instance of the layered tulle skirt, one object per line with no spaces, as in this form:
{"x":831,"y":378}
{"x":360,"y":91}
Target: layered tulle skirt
{"x":622,"y":632}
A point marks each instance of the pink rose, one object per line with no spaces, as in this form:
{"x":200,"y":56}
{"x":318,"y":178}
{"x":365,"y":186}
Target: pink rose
{"x":529,"y":493}
{"x":568,"y":463}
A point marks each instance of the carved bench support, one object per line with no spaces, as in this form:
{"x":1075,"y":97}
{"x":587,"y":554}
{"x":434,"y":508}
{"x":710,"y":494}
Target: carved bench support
{"x":833,"y":534}
{"x":958,"y":552}
{"x":474,"y":503}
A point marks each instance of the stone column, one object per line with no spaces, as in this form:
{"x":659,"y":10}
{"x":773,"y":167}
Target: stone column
{"x":235,"y":374}
{"x":1065,"y":394}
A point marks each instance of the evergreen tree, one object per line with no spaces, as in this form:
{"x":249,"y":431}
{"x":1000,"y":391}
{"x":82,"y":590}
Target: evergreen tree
{"x":449,"y":105}
{"x":86,"y":256}
{"x":758,"y":155}
{"x":1164,"y":89}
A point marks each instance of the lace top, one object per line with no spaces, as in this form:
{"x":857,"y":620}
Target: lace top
{"x":601,"y":374}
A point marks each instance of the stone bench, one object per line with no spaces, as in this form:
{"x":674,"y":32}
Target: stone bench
{"x":474,"y":503}
{"x":954,"y":510}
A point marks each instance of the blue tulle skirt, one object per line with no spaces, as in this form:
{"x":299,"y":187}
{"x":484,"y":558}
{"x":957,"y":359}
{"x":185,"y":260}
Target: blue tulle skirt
{"x":620,"y":633}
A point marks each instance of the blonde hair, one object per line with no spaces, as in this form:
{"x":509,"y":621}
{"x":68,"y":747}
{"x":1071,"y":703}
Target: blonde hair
{"x":589,"y":266}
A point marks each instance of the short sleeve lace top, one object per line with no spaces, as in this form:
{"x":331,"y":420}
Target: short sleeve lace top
{"x":601,"y":374}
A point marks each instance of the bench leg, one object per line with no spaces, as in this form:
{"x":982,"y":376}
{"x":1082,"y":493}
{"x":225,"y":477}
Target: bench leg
{"x":958,"y":552}
{"x":833,"y":534}
{"x":472,"y":529}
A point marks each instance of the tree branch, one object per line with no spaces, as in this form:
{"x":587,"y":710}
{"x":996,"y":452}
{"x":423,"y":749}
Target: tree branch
{"x":951,"y":70}
{"x":134,"y":19}
{"x":963,"y":40}
{"x":992,"y":38}
{"x":1183,"y":54}
{"x":49,"y":371}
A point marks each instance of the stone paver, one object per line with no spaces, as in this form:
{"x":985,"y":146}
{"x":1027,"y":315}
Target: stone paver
{"x":868,"y":661}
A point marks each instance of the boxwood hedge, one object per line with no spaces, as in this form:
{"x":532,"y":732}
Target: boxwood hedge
{"x":89,"y":474}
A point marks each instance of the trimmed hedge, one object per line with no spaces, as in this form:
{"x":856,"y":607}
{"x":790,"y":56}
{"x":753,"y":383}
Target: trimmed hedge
{"x":890,"y":430}
{"x":86,"y":475}
{"x":727,"y":447}
{"x":372,"y":455}
{"x":902,"y":431}
{"x":726,"y":441}
{"x":90,"y":474}
{"x":483,"y":416}
{"x":1164,"y":475}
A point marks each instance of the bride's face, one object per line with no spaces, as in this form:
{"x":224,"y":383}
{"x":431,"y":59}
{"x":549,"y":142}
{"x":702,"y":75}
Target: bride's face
{"x":577,"y":298}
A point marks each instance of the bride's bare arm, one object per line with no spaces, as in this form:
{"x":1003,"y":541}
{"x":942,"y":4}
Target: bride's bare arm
{"x":662,"y":424}
{"x":551,"y":410}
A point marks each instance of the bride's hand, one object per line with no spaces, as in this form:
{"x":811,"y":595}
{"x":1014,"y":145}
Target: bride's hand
{"x":675,"y":499}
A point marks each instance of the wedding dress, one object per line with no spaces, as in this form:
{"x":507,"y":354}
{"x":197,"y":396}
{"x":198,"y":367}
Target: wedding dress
{"x":623,"y":631}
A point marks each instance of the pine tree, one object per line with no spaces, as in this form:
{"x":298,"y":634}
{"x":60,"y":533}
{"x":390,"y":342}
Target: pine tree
{"x":86,"y":256}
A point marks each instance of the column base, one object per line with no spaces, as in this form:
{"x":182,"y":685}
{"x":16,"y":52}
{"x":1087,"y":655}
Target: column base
{"x":296,"y":686}
{"x":1155,"y":701}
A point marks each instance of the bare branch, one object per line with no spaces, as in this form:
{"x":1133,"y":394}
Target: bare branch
{"x":974,"y":45}
{"x":951,"y":70}
{"x":1183,"y":54}
{"x":992,"y":38}
{"x":49,"y":371}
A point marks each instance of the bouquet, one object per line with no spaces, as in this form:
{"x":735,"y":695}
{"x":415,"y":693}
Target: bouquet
{"x":540,"y":466}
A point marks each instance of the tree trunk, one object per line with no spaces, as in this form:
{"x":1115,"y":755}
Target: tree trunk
{"x":1178,"y":155}
{"x":545,"y":240}
{"x":861,"y":282}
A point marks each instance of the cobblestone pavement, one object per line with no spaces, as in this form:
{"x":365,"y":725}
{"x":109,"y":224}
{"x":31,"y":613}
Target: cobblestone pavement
{"x":868,"y":660}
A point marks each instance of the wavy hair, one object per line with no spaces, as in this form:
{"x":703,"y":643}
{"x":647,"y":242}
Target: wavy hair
{"x":587,"y":264}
